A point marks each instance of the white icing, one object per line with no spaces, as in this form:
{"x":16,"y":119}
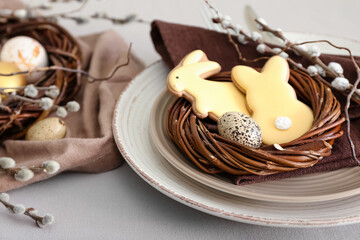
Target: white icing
{"x":282,"y":123}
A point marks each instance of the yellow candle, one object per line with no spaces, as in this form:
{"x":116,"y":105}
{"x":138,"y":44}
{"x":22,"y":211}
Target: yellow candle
{"x":11,"y":81}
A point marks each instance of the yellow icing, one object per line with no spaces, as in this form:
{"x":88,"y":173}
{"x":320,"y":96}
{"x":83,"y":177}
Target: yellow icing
{"x":189,"y":79}
{"x":269,"y":96}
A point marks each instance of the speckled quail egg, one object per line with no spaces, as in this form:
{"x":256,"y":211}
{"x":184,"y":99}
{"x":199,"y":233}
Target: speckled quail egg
{"x":241,"y":128}
{"x":46,"y":129}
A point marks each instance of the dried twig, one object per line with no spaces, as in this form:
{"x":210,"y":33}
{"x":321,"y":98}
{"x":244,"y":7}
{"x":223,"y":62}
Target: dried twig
{"x":80,"y":71}
{"x":356,"y":84}
{"x":84,"y":3}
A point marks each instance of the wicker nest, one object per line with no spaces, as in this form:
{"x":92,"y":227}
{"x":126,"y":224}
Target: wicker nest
{"x":199,"y":140}
{"x":62,"y":50}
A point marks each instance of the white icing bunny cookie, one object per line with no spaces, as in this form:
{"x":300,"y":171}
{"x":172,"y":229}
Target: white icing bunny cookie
{"x":272,"y":101}
{"x":208,"y":98}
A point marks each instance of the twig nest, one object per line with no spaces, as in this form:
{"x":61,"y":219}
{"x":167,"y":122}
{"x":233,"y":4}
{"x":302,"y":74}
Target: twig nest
{"x":241,"y":128}
{"x":62,"y":51}
{"x":199,"y":138}
{"x":26,"y":53}
{"x":46,"y":129}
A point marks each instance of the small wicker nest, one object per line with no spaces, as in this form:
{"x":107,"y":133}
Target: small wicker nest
{"x":62,"y":50}
{"x":199,"y":140}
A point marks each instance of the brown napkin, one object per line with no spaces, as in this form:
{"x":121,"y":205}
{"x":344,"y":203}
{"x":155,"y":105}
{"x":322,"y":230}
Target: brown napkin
{"x":89,"y":145}
{"x":174,"y":41}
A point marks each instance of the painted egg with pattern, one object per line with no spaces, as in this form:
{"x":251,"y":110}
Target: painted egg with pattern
{"x":27,"y":54}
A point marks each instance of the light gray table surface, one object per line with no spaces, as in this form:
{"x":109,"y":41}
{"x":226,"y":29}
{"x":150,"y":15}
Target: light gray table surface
{"x":119,"y":204}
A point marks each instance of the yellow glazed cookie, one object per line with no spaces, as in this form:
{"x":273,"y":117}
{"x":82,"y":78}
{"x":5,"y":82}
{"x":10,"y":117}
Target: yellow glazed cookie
{"x":208,"y":98}
{"x":272,"y":101}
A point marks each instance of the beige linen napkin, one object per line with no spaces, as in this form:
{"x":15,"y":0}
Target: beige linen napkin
{"x":88,"y":145}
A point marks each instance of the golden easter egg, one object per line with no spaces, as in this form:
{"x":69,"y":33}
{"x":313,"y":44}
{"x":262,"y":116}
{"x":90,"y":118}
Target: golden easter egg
{"x":11,"y":81}
{"x":46,"y":129}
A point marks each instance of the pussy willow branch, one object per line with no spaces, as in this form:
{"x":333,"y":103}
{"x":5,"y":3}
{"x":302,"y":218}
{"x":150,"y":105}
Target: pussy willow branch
{"x":23,"y":174}
{"x":21,"y":98}
{"x":271,"y":51}
{"x":289,"y":44}
{"x":84,"y":3}
{"x":79,"y":71}
{"x":97,"y":15}
{"x":30,"y":212}
{"x":354,"y":96}
{"x":259,"y":41}
{"x":118,"y":21}
{"x":247,"y":38}
{"x":13,"y":171}
{"x":313,"y":59}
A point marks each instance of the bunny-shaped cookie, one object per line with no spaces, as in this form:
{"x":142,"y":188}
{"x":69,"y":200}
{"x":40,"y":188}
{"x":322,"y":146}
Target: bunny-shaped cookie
{"x":271,"y":99}
{"x":208,"y":98}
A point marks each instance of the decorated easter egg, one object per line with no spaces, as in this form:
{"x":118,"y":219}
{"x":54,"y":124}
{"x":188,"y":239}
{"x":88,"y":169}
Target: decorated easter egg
{"x":241,"y":128}
{"x":11,"y":81}
{"x":47,"y":129}
{"x":27,"y":53}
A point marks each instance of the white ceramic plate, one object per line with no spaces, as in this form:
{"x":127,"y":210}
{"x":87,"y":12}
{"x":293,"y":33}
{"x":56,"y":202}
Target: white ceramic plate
{"x":131,"y":132}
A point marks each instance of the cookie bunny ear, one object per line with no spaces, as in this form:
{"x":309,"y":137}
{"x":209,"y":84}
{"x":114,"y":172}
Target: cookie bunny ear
{"x":277,"y":68}
{"x":198,"y":63}
{"x":207,"y":69}
{"x":194,"y":57}
{"x":243,"y":76}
